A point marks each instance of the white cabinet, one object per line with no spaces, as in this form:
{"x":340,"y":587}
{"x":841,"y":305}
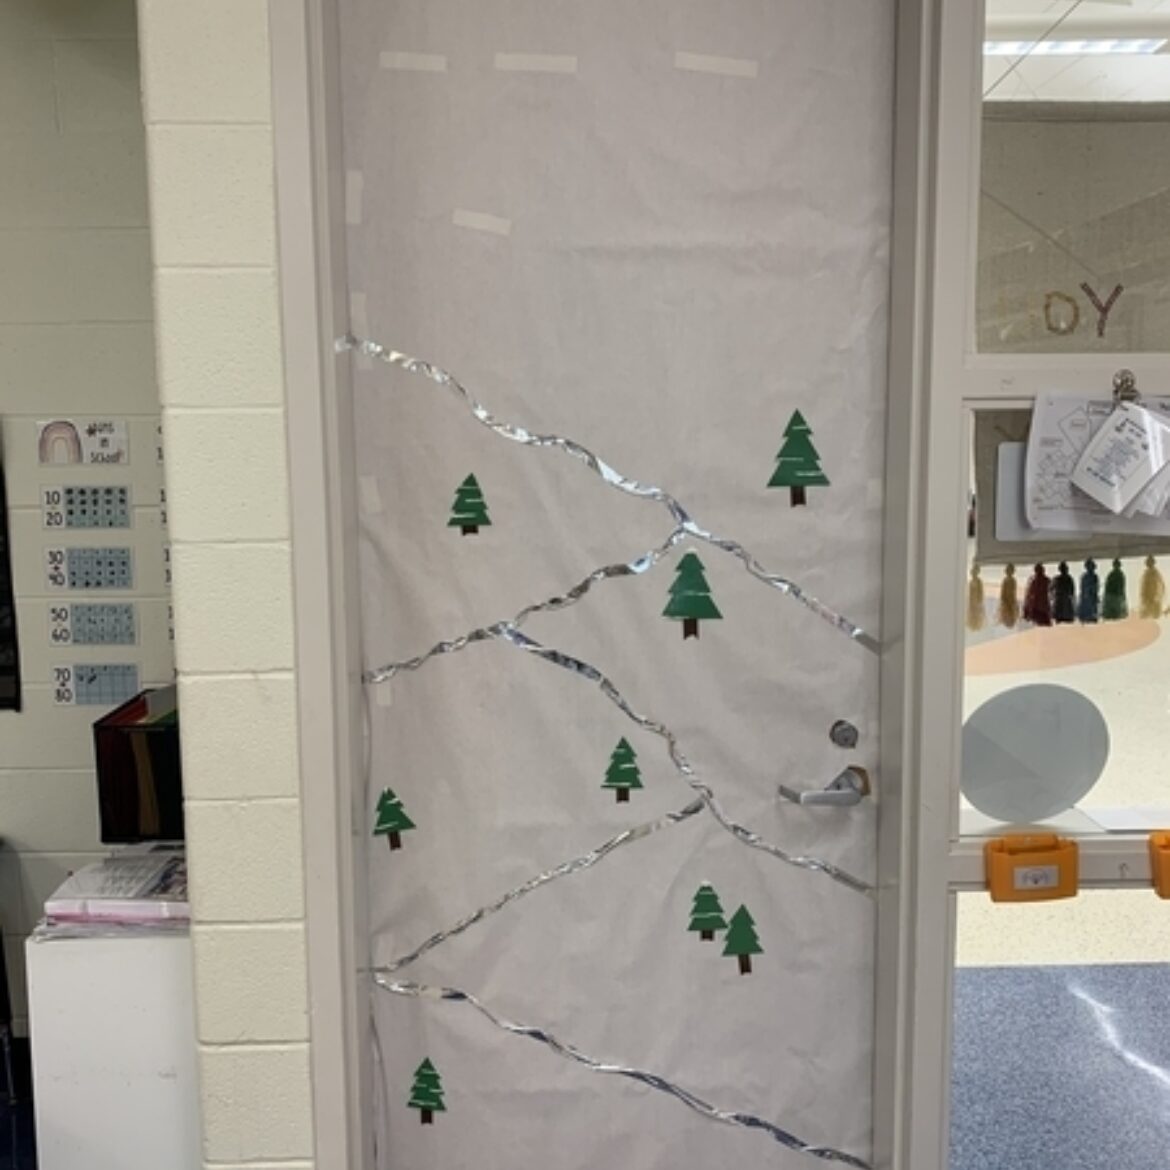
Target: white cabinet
{"x":113,"y":1046}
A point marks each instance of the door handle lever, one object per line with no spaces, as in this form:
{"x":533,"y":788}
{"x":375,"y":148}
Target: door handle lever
{"x":848,"y":787}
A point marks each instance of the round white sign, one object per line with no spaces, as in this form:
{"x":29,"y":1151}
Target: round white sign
{"x":1032,"y":753}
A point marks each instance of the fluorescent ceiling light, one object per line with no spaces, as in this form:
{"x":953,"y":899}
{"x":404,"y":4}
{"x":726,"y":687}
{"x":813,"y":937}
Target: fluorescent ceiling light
{"x":1095,"y":48}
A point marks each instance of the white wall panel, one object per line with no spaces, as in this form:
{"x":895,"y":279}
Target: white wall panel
{"x":91,"y":274}
{"x":26,"y":87}
{"x":74,"y":180}
{"x":98,"y":89}
{"x":73,"y":366}
{"x":47,"y":810}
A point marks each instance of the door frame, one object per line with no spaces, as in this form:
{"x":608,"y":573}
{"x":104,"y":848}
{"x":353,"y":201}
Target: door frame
{"x":935,"y":150}
{"x":309,"y":181}
{"x":936,"y":377}
{"x":912,"y":931}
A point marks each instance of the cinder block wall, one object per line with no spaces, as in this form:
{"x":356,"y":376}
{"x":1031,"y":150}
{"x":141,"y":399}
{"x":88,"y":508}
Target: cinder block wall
{"x":75,"y":341}
{"x":206,"y":83}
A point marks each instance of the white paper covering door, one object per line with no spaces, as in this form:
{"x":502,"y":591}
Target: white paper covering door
{"x":690,"y":256}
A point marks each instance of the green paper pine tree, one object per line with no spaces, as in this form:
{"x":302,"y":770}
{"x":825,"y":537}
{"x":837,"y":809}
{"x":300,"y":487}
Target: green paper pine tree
{"x":426,"y":1095}
{"x":469,"y":512}
{"x":741,"y":940}
{"x":798,"y":464}
{"x":707,"y":913}
{"x":392,"y":819}
{"x":622,"y":775}
{"x":690,"y":597}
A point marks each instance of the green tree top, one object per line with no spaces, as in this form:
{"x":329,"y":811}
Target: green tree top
{"x":622,"y":775}
{"x":707,"y":913}
{"x":427,"y":1091}
{"x":798,"y":463}
{"x":392,"y":816}
{"x":741,"y":940}
{"x":469,"y":511}
{"x":690,"y":595}
{"x":623,"y":768}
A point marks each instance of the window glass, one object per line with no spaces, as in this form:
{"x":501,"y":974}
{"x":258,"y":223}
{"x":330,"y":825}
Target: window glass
{"x":1074,"y":209}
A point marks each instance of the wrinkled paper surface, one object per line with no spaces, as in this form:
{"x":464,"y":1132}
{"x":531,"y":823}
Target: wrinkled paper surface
{"x":662,"y":263}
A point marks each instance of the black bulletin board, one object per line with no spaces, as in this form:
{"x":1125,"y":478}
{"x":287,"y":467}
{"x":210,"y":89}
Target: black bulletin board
{"x":9,"y":652}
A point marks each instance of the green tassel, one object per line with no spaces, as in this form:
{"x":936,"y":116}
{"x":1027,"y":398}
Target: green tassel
{"x":1115,"y":606}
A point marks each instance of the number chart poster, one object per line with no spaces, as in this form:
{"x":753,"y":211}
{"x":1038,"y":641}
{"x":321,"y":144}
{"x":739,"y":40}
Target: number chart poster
{"x":660,"y":231}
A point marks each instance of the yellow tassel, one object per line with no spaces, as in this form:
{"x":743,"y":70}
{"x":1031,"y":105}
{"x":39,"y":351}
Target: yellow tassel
{"x":976,"y":614}
{"x":1153,"y":590}
{"x":1009,"y":602}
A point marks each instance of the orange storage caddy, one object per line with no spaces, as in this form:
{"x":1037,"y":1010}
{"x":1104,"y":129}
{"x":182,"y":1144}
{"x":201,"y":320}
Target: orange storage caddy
{"x":1031,"y":867}
{"x":1160,"y":862}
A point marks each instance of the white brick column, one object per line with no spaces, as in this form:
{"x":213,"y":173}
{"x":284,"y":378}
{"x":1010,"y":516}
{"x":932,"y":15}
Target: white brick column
{"x":206,"y":83}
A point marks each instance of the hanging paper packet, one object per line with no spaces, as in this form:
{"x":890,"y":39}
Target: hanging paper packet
{"x":1153,"y":498}
{"x":1123,"y":457}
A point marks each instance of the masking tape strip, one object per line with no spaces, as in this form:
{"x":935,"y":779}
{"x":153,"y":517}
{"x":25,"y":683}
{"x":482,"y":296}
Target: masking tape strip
{"x":722,"y":66}
{"x":482,"y":222}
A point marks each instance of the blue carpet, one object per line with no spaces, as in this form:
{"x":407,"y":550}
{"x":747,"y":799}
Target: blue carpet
{"x":17,"y":1139}
{"x":17,"y":1127}
{"x":1061,"y":1068}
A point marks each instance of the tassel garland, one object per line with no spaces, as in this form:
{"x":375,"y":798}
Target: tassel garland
{"x":1056,"y":600}
{"x":1037,"y":601}
{"x":1009,"y":602}
{"x":1064,"y":596}
{"x":1153,"y":595}
{"x":976,"y":612}
{"x":1115,"y":606}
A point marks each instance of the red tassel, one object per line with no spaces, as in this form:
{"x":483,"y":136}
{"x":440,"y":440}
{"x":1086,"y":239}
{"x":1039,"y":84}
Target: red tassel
{"x":1037,"y":601}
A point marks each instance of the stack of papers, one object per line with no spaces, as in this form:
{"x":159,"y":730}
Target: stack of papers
{"x":1126,"y":465}
{"x":1096,"y":466}
{"x":130,"y":889}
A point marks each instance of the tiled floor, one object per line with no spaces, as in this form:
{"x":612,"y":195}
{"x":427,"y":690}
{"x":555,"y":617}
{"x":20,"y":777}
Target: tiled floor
{"x":1062,"y":1068}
